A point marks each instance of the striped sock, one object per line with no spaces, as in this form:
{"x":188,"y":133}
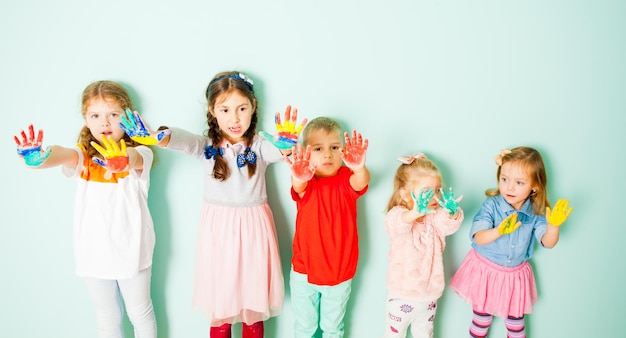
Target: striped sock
{"x":480,"y":324}
{"x":515,"y":327}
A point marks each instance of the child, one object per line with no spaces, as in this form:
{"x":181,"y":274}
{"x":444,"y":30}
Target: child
{"x":238,"y":274}
{"x":495,"y":276}
{"x":325,"y":246}
{"x":417,"y":230}
{"x":113,"y":231}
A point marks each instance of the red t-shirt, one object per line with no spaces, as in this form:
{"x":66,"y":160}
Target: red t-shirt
{"x":326,"y":242}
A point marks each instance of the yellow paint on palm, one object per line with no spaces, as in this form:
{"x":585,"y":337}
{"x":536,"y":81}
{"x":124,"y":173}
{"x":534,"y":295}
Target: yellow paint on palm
{"x":560,"y":213}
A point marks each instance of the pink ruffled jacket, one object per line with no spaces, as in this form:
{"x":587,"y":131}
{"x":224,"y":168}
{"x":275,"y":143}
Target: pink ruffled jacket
{"x":415,"y":270}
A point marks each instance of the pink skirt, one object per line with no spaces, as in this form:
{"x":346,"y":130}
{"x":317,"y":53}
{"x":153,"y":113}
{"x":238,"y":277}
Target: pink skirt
{"x":495,"y":289}
{"x":238,"y":275}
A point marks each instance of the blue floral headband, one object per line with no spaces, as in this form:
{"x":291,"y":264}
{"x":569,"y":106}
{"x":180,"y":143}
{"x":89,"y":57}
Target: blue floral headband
{"x":236,"y":77}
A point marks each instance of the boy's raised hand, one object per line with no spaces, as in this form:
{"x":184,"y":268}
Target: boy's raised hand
{"x":353,"y":152}
{"x":301,"y":167}
{"x":29,"y":147}
{"x":287,"y":132}
{"x":133,"y":126}
{"x":115,"y":157}
{"x":560,"y":213}
{"x":448,"y":201}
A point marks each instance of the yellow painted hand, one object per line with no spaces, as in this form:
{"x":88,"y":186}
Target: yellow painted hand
{"x":287,"y":132}
{"x":115,"y":157}
{"x":560,"y":213}
{"x":289,"y":126}
{"x":509,"y":224}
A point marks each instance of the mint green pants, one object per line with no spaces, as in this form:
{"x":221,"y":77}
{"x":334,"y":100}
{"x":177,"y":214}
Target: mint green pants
{"x":323,"y":305}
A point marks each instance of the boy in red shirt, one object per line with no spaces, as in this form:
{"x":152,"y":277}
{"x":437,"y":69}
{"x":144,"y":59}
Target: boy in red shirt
{"x":325,"y":245}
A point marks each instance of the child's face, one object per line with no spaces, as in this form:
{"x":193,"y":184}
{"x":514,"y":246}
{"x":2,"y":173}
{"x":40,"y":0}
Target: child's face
{"x":233,"y":112}
{"x":514,"y":184}
{"x":103,"y":117}
{"x":425,"y":182}
{"x":325,"y":151}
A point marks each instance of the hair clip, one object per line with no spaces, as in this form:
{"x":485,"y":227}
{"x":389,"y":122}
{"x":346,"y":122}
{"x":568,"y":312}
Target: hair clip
{"x":409,"y":159}
{"x":499,"y":157}
{"x":237,"y":77}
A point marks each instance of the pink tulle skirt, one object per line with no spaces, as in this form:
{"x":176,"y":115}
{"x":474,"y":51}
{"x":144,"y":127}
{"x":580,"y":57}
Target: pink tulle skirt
{"x":238,"y":274}
{"x":495,"y":289}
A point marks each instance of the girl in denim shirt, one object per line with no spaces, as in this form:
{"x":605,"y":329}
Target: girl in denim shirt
{"x":495,"y":276}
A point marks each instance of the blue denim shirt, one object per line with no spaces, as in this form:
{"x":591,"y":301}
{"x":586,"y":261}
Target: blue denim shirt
{"x":515,"y":248}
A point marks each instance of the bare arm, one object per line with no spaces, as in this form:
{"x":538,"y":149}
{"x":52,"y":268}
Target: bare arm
{"x":60,"y":156}
{"x":484,"y":237}
{"x":360,"y":179}
{"x":298,"y":185}
{"x":135,"y":160}
{"x":551,"y":237}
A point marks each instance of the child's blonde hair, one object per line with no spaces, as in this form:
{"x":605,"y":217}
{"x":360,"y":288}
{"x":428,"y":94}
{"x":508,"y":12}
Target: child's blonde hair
{"x":324,"y":123}
{"x":407,"y":174}
{"x":531,"y":162}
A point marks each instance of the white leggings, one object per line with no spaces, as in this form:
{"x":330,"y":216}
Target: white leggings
{"x":107,"y":297}
{"x":402,"y":313}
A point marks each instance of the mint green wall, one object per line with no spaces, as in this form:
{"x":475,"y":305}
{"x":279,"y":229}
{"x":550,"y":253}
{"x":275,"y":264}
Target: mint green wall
{"x":458,"y":80}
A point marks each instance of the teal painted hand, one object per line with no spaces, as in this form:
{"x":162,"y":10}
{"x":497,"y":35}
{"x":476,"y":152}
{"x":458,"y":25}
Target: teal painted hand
{"x":448,"y":201}
{"x":29,"y":147}
{"x":133,"y":126}
{"x":423,"y":200}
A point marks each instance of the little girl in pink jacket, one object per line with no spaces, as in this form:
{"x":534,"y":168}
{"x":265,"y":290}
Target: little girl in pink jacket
{"x":419,"y":217}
